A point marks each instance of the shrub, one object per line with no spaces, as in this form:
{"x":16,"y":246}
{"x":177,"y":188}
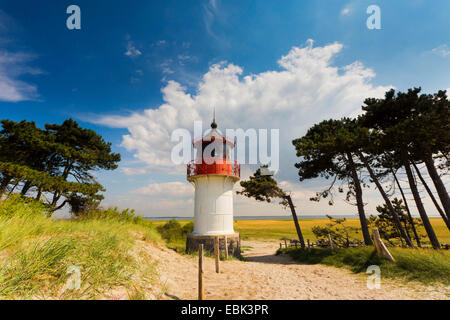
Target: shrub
{"x":173,"y":231}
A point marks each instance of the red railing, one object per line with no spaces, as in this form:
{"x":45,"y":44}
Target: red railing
{"x":225,"y":167}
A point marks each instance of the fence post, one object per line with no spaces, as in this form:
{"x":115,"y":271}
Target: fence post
{"x":285,"y":243}
{"x":309,"y":245}
{"x":226,"y":247}
{"x":217,"y":253}
{"x":331,"y":242}
{"x":201,"y":293}
{"x":380,"y":247}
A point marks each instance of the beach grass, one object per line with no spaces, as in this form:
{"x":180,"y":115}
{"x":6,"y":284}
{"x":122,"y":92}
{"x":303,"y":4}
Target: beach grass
{"x":43,"y":258}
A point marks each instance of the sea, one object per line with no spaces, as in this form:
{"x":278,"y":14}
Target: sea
{"x":287,"y":217}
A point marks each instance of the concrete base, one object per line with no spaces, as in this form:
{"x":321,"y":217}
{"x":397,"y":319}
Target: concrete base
{"x":233,"y":240}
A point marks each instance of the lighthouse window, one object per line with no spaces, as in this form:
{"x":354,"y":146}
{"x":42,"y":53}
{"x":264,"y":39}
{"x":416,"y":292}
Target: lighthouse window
{"x":228,"y":151}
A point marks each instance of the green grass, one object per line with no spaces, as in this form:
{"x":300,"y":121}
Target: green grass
{"x":278,"y":229}
{"x":36,"y":253}
{"x":425,"y":265}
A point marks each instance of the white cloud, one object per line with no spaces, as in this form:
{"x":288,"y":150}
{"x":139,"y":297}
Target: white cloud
{"x":210,"y":15}
{"x":345,"y":11}
{"x":166,"y":67}
{"x":442,"y":50}
{"x":307,"y":89}
{"x":12,"y":66}
{"x":132,"y":51}
{"x":174,"y":190}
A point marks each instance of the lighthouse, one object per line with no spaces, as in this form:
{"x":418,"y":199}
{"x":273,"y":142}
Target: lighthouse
{"x":213,"y":173}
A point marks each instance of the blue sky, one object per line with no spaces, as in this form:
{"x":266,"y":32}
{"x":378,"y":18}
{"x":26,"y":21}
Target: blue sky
{"x":130,"y":56}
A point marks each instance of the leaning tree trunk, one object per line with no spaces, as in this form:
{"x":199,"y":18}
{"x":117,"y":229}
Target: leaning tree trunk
{"x":411,"y":220}
{"x":359,"y":201}
{"x":436,"y":204}
{"x":386,"y":200}
{"x":25,"y":188}
{"x":440,"y":187}
{"x":39,"y":194}
{"x":297,"y":225}
{"x":426,"y":222}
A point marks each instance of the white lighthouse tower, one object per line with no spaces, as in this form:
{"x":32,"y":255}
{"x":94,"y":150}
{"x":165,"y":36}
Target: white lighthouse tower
{"x":213,"y":173}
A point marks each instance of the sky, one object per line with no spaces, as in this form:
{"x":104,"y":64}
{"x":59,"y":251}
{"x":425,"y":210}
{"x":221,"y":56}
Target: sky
{"x":136,"y":71}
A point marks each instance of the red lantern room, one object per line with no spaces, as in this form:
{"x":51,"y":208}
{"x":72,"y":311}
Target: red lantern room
{"x":214,"y":156}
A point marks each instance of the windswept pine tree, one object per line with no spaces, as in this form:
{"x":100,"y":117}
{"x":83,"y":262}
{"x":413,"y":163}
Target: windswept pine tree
{"x":412,"y":129}
{"x":55,"y":163}
{"x":328,"y":150}
{"x":263,"y":187}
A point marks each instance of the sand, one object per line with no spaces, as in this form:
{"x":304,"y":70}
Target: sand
{"x":267,"y":276}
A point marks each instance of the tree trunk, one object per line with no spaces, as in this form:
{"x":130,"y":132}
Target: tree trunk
{"x":12,"y":189}
{"x":25,"y":188}
{"x":4,"y":184}
{"x":411,"y":220}
{"x":359,"y":202}
{"x":297,"y":226}
{"x":436,"y":204}
{"x":439,"y":185}
{"x":386,"y":200}
{"x":423,"y":215}
{"x":39,"y":194}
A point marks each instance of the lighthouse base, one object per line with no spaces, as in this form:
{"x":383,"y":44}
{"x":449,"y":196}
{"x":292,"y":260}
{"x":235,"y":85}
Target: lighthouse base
{"x":233,"y":240}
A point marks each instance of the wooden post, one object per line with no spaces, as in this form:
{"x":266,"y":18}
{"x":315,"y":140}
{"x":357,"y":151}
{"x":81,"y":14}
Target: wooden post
{"x":285,"y":243}
{"x":201,"y":293}
{"x":331,"y":242}
{"x":281,"y":246}
{"x":226,"y":247}
{"x":309,"y":245}
{"x":217,"y":253}
{"x":380,"y":247}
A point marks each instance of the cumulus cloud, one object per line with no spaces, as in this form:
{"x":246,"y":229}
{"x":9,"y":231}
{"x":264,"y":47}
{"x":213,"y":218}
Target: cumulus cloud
{"x":306,"y":89}
{"x":174,"y":190}
{"x":12,"y":66}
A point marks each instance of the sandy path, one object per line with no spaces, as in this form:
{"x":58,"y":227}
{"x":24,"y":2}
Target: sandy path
{"x":266,"y":276}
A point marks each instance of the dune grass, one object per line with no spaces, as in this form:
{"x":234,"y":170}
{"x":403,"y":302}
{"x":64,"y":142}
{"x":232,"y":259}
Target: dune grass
{"x":38,"y":253}
{"x":424,"y":265}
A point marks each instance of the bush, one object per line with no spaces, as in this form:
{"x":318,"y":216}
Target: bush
{"x":341,"y":234}
{"x":17,"y":205}
{"x":115,"y":214}
{"x":172,"y":231}
{"x":175,"y":235}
